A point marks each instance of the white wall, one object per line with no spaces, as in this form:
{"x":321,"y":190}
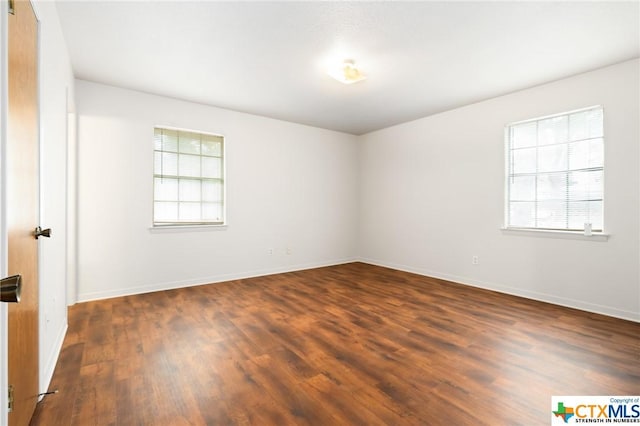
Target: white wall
{"x":432,"y":197}
{"x":288,"y":185}
{"x":56,"y":83}
{"x":423,"y":196}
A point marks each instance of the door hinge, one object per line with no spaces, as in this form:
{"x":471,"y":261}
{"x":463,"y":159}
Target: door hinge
{"x":10,"y":408}
{"x":11,"y":8}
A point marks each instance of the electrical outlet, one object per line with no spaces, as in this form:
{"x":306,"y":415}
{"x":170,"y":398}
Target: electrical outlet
{"x":474,"y":260}
{"x":288,"y":250}
{"x":270,"y":251}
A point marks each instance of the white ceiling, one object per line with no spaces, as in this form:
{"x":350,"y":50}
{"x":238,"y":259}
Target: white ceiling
{"x":270,"y":58}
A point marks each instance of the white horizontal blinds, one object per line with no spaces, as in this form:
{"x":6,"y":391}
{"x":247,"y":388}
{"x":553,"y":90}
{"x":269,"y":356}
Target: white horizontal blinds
{"x":555,"y":172}
{"x":188,"y":178}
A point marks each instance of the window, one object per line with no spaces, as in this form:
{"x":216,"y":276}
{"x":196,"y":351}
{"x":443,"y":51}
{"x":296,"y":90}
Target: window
{"x":555,"y":168}
{"x":188,"y":178}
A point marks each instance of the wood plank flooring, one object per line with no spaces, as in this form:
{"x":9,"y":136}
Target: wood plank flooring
{"x":352,"y":344}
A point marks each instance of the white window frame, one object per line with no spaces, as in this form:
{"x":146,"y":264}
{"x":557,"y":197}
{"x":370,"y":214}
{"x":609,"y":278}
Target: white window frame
{"x":596,"y":234}
{"x":168,"y":225}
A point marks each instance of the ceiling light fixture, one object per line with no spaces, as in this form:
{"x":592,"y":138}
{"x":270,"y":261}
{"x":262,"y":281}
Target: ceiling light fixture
{"x":347,"y":72}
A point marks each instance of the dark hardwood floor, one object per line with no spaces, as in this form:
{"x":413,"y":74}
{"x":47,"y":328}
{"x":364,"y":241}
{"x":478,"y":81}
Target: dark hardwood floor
{"x":346,"y":345}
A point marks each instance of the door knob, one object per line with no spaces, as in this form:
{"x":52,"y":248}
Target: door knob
{"x":10,"y":288}
{"x":39,"y":232}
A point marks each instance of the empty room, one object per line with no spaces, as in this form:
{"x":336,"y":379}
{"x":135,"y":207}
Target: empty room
{"x":319,"y":213}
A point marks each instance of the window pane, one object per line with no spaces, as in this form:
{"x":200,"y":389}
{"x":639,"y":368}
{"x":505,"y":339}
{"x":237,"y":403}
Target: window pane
{"x":596,"y":215}
{"x":165,"y":189}
{"x":211,"y":147}
{"x":595,"y":123}
{"x":211,"y":191}
{"x":165,"y":211}
{"x":212,"y":211}
{"x":522,"y":214}
{"x":190,"y":190}
{"x":586,"y":124}
{"x":586,"y":154}
{"x":578,"y":129}
{"x":552,"y":158}
{"x":553,"y":130}
{"x":552,"y":214}
{"x":166,"y":140}
{"x":522,"y":188}
{"x":581,"y":212}
{"x":165,"y":164}
{"x":189,"y":143}
{"x":552,"y":186}
{"x":585,"y":185}
{"x":524,"y":135}
{"x":189,"y":165}
{"x":524,"y":160}
{"x":190,"y":212}
{"x":211,"y":167}
{"x":157,"y":140}
{"x":596,"y":153}
{"x":157,"y":163}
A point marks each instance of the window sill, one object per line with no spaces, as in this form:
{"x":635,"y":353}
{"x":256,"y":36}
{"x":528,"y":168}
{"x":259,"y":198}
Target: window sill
{"x":187,"y":228}
{"x":567,"y":235}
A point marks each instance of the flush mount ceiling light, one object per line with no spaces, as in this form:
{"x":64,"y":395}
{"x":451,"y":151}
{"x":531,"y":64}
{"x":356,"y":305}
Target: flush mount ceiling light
{"x":347,"y":72}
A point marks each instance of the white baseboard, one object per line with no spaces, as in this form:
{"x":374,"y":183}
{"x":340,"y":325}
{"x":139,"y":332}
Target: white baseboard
{"x":50,"y":365}
{"x":128,"y":291}
{"x":542,"y":297}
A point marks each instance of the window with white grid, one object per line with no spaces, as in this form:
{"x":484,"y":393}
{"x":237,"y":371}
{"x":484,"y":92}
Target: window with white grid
{"x":555,"y":172}
{"x":188,"y":178}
